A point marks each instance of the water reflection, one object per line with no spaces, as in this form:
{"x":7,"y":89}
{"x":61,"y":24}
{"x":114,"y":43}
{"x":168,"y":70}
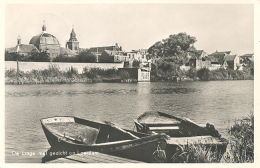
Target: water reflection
{"x":173,"y":90}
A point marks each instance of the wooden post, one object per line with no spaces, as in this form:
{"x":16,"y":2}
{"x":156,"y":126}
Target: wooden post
{"x":17,"y":67}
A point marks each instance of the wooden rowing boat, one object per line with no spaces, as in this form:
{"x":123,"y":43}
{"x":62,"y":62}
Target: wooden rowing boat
{"x":173,"y":126}
{"x":74,"y":135}
{"x":182,"y":131}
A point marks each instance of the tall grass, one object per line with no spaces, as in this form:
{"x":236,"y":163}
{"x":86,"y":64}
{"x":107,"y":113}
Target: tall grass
{"x":53,"y":74}
{"x":242,"y":142}
{"x":196,"y":153}
{"x":241,"y":146}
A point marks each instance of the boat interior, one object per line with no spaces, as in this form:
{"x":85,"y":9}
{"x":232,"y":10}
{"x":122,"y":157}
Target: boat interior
{"x":82,"y":131}
{"x":172,"y":126}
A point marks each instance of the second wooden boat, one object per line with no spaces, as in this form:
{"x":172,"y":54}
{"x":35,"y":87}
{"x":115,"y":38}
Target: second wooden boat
{"x":182,"y":132}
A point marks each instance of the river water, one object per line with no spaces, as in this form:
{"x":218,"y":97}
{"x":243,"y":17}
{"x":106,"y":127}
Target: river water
{"x":215,"y":102}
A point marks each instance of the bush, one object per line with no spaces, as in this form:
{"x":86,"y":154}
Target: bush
{"x":154,"y":69}
{"x":204,"y":74}
{"x":242,"y":144}
{"x":136,"y":63}
{"x":124,"y":75}
{"x":196,"y":153}
{"x":191,"y":73}
{"x":11,"y":73}
{"x":72,"y":72}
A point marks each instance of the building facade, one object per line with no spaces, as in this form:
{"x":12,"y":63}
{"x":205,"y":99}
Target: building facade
{"x":46,"y":42}
{"x":73,"y":43}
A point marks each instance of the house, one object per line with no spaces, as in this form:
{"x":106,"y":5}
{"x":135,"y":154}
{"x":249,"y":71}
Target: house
{"x":231,"y":61}
{"x":140,"y":55}
{"x":220,"y":56}
{"x":246,"y":58}
{"x":199,"y":60}
{"x":214,"y":64}
{"x":22,"y":49}
{"x":99,"y":50}
{"x":113,"y":56}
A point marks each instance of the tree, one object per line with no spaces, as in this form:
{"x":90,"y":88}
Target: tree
{"x":177,"y":46}
{"x":39,"y":57}
{"x":86,"y":56}
{"x":12,"y":56}
{"x":136,"y":63}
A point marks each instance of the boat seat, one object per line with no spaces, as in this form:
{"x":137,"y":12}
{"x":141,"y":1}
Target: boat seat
{"x":152,"y":120}
{"x":82,"y":133}
{"x":164,"y":128}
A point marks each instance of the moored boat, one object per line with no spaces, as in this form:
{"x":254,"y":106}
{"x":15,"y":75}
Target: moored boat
{"x":159,"y":122}
{"x":182,"y":131}
{"x":76,"y":135}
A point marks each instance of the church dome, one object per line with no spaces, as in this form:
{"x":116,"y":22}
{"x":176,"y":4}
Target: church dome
{"x":44,"y":38}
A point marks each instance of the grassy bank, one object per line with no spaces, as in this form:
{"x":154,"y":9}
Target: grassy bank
{"x":171,"y":72}
{"x":53,"y":75}
{"x":241,"y":148}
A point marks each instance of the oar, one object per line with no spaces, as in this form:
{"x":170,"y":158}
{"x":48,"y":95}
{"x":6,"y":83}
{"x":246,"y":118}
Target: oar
{"x":137,"y":123}
{"x":120,"y":129}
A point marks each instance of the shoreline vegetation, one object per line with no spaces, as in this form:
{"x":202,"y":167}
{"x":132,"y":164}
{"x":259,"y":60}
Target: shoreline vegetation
{"x":53,"y":75}
{"x":240,"y":150}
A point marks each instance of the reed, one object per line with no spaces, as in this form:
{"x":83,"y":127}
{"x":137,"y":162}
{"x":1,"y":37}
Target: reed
{"x":241,"y":146}
{"x":196,"y":153}
{"x":53,"y":75}
{"x":242,"y":140}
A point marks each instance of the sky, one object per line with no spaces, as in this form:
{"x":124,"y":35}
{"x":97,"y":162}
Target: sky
{"x":221,"y":27}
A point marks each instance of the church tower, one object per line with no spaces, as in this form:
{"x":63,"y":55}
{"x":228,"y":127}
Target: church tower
{"x":73,"y":43}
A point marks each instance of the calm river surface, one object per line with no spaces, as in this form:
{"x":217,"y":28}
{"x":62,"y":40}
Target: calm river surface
{"x":213,"y":102}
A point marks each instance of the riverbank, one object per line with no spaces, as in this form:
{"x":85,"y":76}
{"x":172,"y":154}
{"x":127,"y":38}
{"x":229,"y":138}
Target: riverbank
{"x":240,"y":148}
{"x":204,"y":74}
{"x":53,"y":75}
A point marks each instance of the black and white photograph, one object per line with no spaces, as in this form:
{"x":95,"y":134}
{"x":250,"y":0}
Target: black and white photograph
{"x":111,"y":82}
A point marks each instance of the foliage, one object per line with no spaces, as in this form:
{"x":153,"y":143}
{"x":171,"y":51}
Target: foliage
{"x":33,"y":56}
{"x":124,"y":75}
{"x":136,"y":63}
{"x":72,"y":72}
{"x":204,"y":74}
{"x":176,"y":46}
{"x":196,"y":153}
{"x":242,"y":144}
{"x":98,"y":72}
{"x":39,"y":57}
{"x":85,"y":56}
{"x":63,"y":58}
{"x":191,"y":73}
{"x":11,"y":73}
{"x":154,"y":70}
{"x":12,"y":56}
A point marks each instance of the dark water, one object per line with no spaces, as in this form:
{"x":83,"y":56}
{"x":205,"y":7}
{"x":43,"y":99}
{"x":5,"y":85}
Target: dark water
{"x":214,"y":102}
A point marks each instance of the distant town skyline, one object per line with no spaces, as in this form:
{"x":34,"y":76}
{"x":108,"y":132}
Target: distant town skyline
{"x":222,"y":27}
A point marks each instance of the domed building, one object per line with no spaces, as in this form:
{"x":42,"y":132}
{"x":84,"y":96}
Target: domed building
{"x":46,"y":42}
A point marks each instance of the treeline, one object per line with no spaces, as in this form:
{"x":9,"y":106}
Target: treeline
{"x":84,"y":56}
{"x":53,"y":75}
{"x":163,"y":70}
